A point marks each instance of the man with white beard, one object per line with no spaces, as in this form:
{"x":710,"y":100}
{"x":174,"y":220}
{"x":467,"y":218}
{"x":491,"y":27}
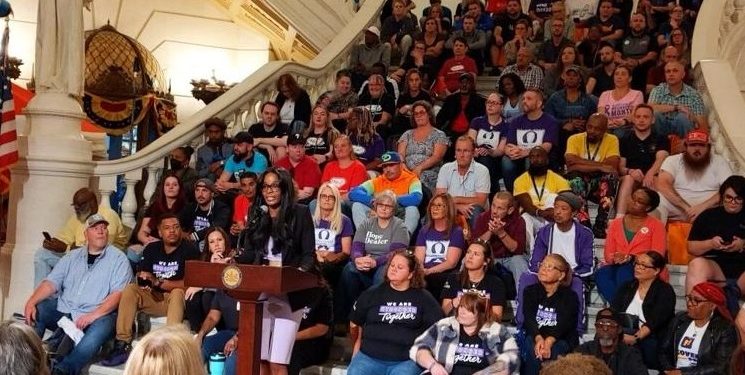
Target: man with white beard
{"x":608,"y":346}
{"x":689,"y":182}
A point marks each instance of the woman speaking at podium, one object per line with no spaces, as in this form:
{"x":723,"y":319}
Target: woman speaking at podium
{"x":280,"y":233}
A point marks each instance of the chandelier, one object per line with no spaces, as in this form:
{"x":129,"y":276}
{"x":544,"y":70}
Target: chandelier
{"x":209,"y":90}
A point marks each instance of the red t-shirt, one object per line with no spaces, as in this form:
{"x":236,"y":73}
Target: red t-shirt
{"x":344,"y":178}
{"x":241,"y":205}
{"x":452,"y":69}
{"x":305,"y":174}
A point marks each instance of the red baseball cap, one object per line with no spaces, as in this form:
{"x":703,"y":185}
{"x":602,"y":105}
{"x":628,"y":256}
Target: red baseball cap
{"x":697,"y":136}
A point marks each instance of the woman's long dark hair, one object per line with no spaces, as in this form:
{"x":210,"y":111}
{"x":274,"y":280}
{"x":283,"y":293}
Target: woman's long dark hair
{"x":257,"y":235}
{"x":160,"y":204}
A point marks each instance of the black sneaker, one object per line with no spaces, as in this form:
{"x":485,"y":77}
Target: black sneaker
{"x":119,"y":355}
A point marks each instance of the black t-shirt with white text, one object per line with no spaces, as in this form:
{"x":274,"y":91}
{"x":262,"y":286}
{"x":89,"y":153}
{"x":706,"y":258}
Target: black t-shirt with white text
{"x":386,"y":103}
{"x":167,"y":266}
{"x":554,"y":316}
{"x":471,"y":355}
{"x":491,"y":286}
{"x":391,"y":320}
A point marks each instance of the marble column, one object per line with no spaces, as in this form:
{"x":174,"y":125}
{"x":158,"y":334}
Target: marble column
{"x":54,"y":161}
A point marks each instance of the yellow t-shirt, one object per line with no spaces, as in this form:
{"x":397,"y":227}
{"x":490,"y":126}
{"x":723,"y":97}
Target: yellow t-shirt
{"x":73,"y":233}
{"x":606,"y":148}
{"x":544,"y":191}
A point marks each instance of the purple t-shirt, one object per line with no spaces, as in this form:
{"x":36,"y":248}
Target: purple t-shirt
{"x":368,"y":153}
{"x":327,"y":239}
{"x":436,"y":243}
{"x":527,"y":133}
{"x":488,"y":135}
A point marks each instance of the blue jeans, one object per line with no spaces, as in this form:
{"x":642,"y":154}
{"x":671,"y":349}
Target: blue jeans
{"x":215,"y":344}
{"x":363,"y":364}
{"x":678,"y":124}
{"x":511,"y":170}
{"x":96,"y":334}
{"x":351,"y":284}
{"x":609,"y":277}
{"x":360,"y":213}
{"x":231,"y":363}
{"x":530,"y":364}
{"x":516,"y":264}
{"x":44,"y":261}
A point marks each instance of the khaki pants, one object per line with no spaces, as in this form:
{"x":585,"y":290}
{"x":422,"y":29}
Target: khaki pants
{"x":135,"y":299}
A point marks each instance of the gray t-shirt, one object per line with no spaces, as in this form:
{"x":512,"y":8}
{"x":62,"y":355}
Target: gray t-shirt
{"x":377,"y":241}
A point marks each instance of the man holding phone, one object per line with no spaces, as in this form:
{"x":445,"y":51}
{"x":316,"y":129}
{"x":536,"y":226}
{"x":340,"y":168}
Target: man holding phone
{"x":72,"y":234}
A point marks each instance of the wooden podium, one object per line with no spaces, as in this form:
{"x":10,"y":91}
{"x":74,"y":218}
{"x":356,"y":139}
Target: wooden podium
{"x":246,"y":283}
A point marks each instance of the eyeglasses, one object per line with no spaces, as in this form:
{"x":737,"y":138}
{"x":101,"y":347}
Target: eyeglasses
{"x":604,"y":324}
{"x":326,"y":197}
{"x":438,"y":205}
{"x":385,"y":205}
{"x":268,"y":187}
{"x":550,"y":266}
{"x":693,"y":301}
{"x":420,"y":113}
{"x":493,"y":102}
{"x":642,"y":265}
{"x":730,"y":199}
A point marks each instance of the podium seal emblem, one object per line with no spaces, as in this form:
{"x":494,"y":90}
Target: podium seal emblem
{"x":231,"y":277}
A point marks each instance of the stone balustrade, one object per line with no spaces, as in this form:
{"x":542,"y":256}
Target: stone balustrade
{"x":238,"y":107}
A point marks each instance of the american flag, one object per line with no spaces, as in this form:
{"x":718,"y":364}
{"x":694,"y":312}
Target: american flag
{"x":8,"y":136}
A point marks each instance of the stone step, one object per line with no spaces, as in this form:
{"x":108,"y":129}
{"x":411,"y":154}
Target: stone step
{"x":486,"y":84}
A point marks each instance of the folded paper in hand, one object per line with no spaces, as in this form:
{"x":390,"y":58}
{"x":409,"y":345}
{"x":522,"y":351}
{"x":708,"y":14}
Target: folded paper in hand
{"x":70,"y":329}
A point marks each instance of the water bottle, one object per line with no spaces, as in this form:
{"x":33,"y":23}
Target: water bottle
{"x":217,"y":364}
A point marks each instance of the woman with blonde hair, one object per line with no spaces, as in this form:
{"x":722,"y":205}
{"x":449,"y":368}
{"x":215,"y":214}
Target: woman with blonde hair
{"x":320,"y":136}
{"x":345,"y":171}
{"x":333,"y":233}
{"x":170,"y":350}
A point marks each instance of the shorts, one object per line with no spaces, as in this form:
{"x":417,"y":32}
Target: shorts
{"x":732,"y":267}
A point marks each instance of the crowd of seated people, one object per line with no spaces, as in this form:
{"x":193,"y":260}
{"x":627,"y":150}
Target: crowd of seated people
{"x":432,"y":206}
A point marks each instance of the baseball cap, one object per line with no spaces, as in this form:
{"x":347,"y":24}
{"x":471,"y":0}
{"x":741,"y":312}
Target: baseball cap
{"x":390,"y":157}
{"x":465,"y":75}
{"x":205,"y":183}
{"x":697,"y":136}
{"x":95,"y":219}
{"x":610,"y":314}
{"x":295,"y":139}
{"x":374,"y":30}
{"x":574,"y":68}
